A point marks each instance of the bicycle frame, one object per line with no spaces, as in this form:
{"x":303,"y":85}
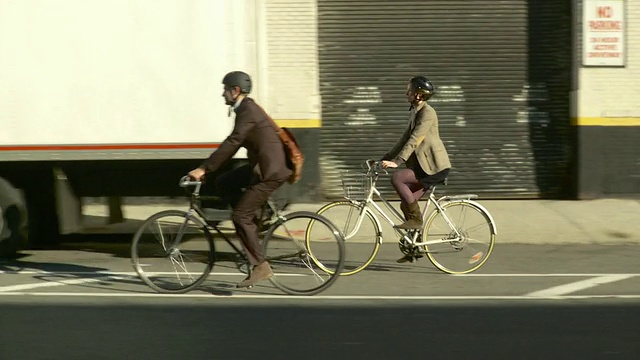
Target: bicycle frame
{"x":409,"y":235}
{"x":195,"y":207}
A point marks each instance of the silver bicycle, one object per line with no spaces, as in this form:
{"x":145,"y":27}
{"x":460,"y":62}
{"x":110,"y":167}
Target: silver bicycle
{"x":457,"y":236}
{"x":173,"y":250}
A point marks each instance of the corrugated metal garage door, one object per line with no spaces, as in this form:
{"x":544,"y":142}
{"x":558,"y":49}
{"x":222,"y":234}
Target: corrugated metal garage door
{"x":502,"y":71}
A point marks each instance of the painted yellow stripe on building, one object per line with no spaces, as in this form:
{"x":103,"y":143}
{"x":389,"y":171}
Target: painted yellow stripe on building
{"x":299,"y":123}
{"x":604,"y":121}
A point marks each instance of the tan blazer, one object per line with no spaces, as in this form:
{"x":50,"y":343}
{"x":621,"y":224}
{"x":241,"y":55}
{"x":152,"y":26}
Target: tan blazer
{"x":423,"y":138}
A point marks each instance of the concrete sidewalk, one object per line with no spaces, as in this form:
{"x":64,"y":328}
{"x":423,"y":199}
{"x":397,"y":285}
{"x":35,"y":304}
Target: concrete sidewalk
{"x":604,"y":221}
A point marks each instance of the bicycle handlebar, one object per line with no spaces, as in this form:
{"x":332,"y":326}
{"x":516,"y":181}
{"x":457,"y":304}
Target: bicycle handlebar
{"x":375,"y":166}
{"x":186,"y":181}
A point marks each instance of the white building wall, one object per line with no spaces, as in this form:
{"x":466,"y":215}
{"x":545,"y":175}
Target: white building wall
{"x":292,"y":61}
{"x":610,"y":96}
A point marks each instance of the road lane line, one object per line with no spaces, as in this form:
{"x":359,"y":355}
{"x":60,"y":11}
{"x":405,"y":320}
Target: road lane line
{"x":132,"y":273}
{"x":577,"y":286}
{"x":13,"y":288}
{"x":319,"y":297}
{"x":109,"y":273}
{"x":544,"y":275}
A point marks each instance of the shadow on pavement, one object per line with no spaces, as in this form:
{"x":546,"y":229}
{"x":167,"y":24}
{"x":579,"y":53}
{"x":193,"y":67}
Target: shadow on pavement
{"x":64,"y":274}
{"x":17,"y":265}
{"x":90,"y":277}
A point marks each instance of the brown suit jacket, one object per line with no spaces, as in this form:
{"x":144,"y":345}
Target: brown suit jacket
{"x":422,"y":138}
{"x":253,"y":131}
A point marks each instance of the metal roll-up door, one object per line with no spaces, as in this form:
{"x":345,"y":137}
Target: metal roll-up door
{"x":502,"y":71}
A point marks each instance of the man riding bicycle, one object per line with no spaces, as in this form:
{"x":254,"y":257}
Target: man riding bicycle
{"x":267,"y":169}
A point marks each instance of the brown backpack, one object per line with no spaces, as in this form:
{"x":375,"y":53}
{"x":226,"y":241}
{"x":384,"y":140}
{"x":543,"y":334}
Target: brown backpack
{"x":294,"y":156}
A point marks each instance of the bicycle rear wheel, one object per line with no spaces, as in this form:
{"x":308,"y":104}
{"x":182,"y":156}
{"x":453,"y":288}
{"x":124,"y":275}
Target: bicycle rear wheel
{"x":295,"y":272}
{"x":466,"y":246}
{"x":173,"y":252}
{"x":362,"y":241}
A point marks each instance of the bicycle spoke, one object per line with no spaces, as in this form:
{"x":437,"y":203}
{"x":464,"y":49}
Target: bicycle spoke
{"x":161,"y":239}
{"x":450,"y":250}
{"x":476,"y":227}
{"x":474,"y":241}
{"x":463,"y":212}
{"x":178,"y":270}
{"x":307,"y":263}
{"x":175,"y":271}
{"x":196,"y":256}
{"x":281,"y":257}
{"x":295,"y":270}
{"x":457,"y":252}
{"x":437,"y":241}
{"x":292,"y":239}
{"x":351,"y":231}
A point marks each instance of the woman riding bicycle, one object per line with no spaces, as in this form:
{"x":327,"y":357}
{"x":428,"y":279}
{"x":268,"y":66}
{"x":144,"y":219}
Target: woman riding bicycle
{"x":421,"y":149}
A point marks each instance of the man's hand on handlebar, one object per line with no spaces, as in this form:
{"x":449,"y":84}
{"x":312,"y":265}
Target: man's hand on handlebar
{"x":197,"y":174}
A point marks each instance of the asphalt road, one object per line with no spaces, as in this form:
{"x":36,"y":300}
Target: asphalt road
{"x":526,"y":302}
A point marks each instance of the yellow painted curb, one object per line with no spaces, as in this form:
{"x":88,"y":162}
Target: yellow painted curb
{"x":604,"y":121}
{"x":299,"y":123}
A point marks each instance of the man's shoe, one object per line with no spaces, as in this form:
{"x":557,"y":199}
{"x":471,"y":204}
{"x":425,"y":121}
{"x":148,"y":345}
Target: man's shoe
{"x":259,"y":273}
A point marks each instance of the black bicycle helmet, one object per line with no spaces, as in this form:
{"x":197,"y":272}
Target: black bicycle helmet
{"x":239,"y":79}
{"x":423,"y":85}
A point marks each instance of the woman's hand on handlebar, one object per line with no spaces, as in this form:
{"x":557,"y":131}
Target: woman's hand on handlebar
{"x":388,"y":164}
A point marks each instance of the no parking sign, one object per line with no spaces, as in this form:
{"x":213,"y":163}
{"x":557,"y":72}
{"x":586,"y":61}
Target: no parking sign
{"x":603,"y":41}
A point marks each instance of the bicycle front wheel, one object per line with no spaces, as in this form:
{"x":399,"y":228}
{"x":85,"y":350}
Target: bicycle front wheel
{"x":295,"y":271}
{"x":459,"y":239}
{"x":362,"y":237}
{"x":172,"y":252}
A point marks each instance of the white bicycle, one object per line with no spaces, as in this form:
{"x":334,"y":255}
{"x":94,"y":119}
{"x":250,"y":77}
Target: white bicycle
{"x":457,"y":236}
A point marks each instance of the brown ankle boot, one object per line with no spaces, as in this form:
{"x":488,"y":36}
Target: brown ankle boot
{"x":405,"y":210}
{"x":414,"y":220}
{"x":259,"y":273}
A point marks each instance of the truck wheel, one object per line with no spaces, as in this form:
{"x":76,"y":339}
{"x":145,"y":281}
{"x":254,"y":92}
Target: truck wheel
{"x":10,"y":224}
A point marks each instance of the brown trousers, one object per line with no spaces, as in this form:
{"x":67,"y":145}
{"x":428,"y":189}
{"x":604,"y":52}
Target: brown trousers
{"x":247,"y":206}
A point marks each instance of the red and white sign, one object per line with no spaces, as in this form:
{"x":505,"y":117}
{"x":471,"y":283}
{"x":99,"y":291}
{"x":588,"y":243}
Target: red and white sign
{"x":603,"y":33}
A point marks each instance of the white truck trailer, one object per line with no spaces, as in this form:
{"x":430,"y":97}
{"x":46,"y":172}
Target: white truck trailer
{"x":120,"y":97}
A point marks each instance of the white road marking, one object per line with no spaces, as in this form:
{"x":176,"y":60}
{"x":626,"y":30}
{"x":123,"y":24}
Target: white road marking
{"x":93,"y":273}
{"x":91,"y":277}
{"x":122,"y":273}
{"x":578,"y":285}
{"x":133,"y":273}
{"x":557,"y":292}
{"x":318,"y":297}
{"x":542,"y":275}
{"x":12,"y":288}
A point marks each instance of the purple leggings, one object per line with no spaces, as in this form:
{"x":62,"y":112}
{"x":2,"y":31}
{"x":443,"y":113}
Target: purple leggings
{"x":407,"y":185}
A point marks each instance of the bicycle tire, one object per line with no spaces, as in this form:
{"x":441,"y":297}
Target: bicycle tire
{"x":286,"y":250}
{"x":344,"y":224}
{"x":143,"y":256}
{"x":476,"y":258}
